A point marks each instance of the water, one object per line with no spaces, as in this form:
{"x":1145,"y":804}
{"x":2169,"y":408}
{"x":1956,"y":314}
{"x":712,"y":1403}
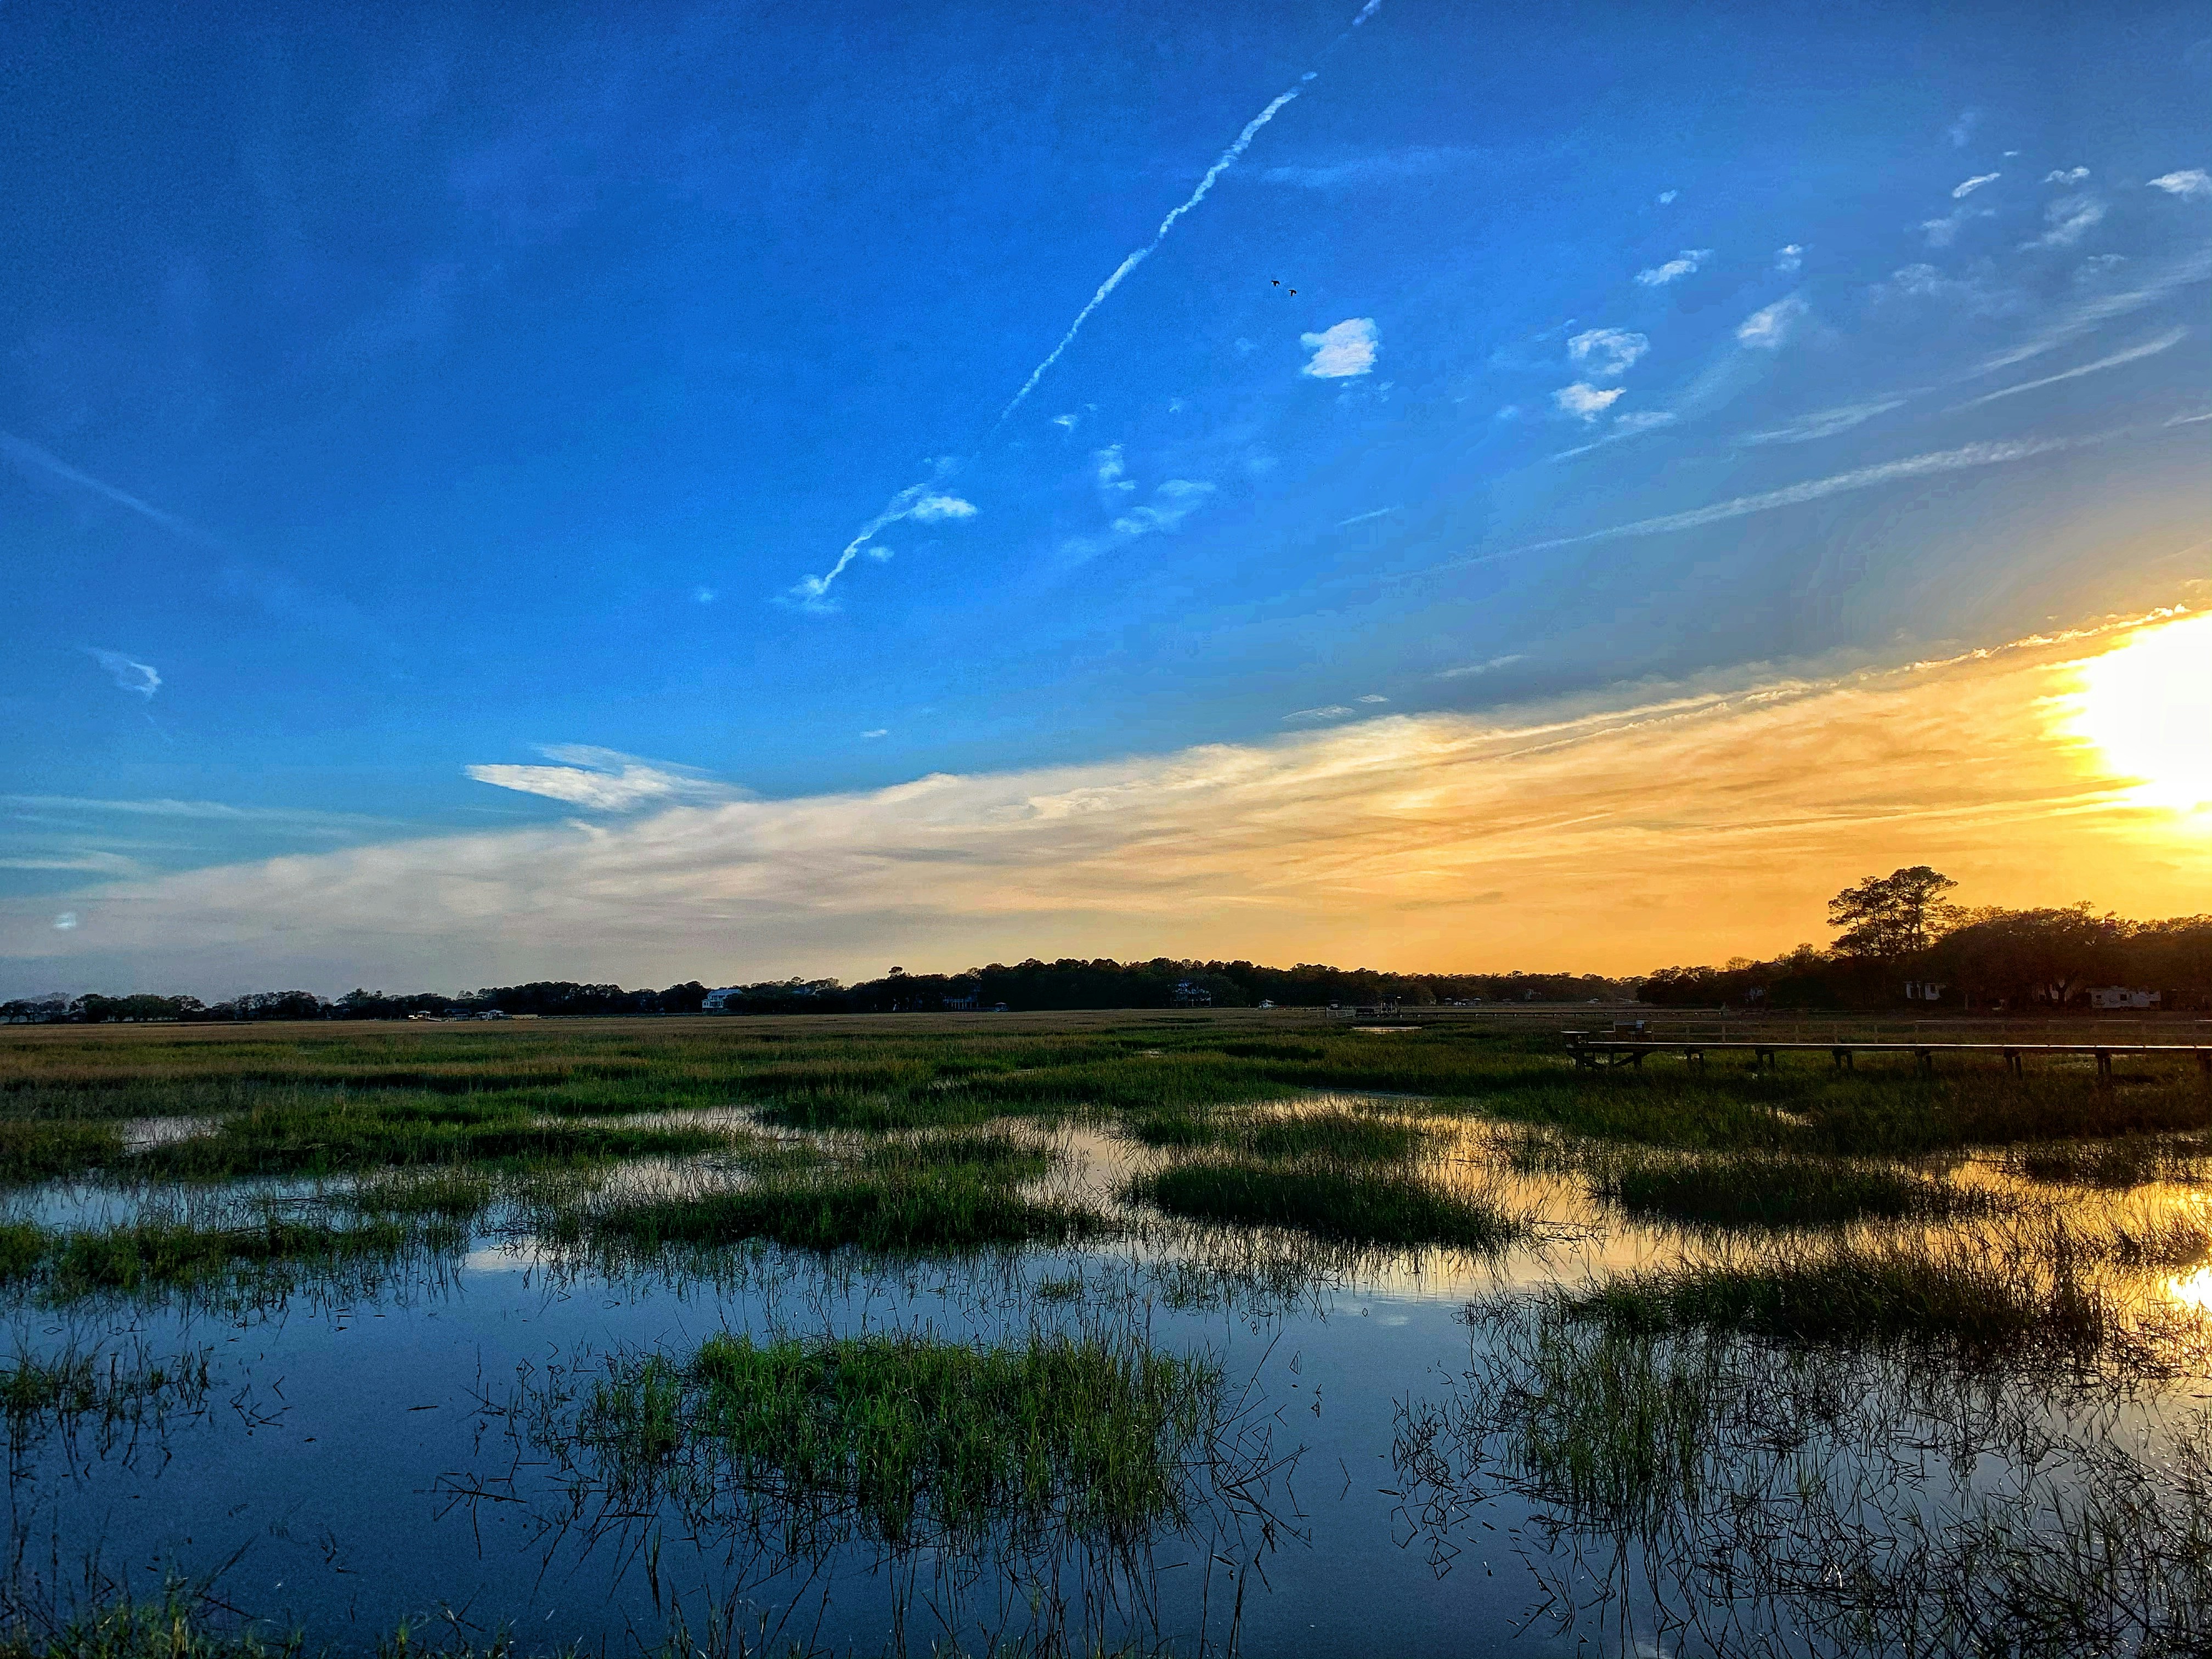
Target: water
{"x":362,"y":1462}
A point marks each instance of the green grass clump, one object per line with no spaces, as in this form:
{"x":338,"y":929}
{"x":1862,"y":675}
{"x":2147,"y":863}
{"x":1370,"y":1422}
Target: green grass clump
{"x":1334,"y":1136}
{"x":1754,"y":1189}
{"x":40,"y":1149}
{"x":175,"y":1254}
{"x":908,"y":1434}
{"x":2020,"y":1293}
{"x":22,"y":1247}
{"x":1350,"y":1205}
{"x":2130,"y":1160}
{"x":894,"y":1213}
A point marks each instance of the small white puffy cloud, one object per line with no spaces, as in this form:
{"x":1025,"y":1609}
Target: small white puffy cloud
{"x":1605,"y":354}
{"x":2066,"y":221}
{"x":1666,"y":196}
{"x":1767,"y":328}
{"x":2190,"y":183}
{"x":1685,"y":264}
{"x":1171,"y":503}
{"x":1789,"y":260}
{"x":1966,"y":187}
{"x":128,"y":675}
{"x":1334,"y":711}
{"x":1585,"y":401}
{"x":879,"y":732}
{"x":1110,"y":471}
{"x":65,"y":922}
{"x":879,"y":553}
{"x":1942,"y":232}
{"x":704,"y":595}
{"x":1374,"y":696}
{"x":1067,"y":423}
{"x":1342,"y":350}
{"x":604,"y":779}
{"x":2065,"y":175}
{"x":935,"y":509}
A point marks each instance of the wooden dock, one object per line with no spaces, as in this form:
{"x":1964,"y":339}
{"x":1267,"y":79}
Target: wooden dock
{"x":1593,"y":1051}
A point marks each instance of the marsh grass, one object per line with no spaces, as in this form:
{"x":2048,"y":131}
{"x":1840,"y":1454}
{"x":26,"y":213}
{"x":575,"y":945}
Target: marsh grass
{"x":1396,"y":1206}
{"x":111,"y":1390}
{"x":909,"y":1196}
{"x":178,"y":1255}
{"x":2019,"y":1292}
{"x":905,"y":1435}
{"x":1762,"y":1189}
{"x":2129,"y":1160}
{"x":1751,"y":1498}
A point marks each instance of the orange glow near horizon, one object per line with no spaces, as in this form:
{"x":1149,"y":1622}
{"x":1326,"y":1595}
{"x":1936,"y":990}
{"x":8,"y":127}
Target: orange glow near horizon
{"x":2148,"y":707}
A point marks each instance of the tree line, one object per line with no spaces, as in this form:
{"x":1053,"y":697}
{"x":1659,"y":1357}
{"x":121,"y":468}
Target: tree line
{"x":1066,"y":984}
{"x":1899,"y":932}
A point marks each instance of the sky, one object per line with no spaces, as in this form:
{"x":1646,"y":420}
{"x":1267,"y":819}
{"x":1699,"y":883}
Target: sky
{"x":651,"y":493}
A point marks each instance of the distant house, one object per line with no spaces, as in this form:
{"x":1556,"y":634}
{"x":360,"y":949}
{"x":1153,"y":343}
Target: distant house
{"x":961,"y":1005}
{"x":1922,"y":990}
{"x":2120,"y":996}
{"x":718,"y":1002}
{"x":1188,"y":995}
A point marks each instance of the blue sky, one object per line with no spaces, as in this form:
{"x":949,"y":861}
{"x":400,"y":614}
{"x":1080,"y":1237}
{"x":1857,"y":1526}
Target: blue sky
{"x":412,"y":418}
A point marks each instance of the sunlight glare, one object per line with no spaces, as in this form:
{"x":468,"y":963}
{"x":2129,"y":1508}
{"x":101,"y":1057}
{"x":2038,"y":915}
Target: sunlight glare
{"x":2148,"y":707}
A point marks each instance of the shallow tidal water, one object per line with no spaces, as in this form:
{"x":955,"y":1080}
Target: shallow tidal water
{"x":359,"y":1463}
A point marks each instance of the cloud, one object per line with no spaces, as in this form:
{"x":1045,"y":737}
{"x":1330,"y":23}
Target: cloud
{"x":1961,"y":131}
{"x":1334,"y":711}
{"x":1966,"y":457}
{"x":2065,"y":175}
{"x":1373,"y":696}
{"x":2190,"y":184}
{"x":604,"y":779}
{"x":129,"y":675}
{"x":1490,"y":666}
{"x":1067,"y":423}
{"x":1667,"y":196}
{"x":1789,"y":260}
{"x":1416,"y":161}
{"x":1606,"y":354}
{"x":65,"y":922}
{"x":922,"y":502}
{"x":1966,"y":187}
{"x":1826,"y":422}
{"x":1108,"y":471}
{"x":1360,"y":842}
{"x":1941,"y":232}
{"x":703,"y":595}
{"x":1684,"y":264}
{"x":2085,"y":316}
{"x":1362,"y":517}
{"x":878,"y":731}
{"x":1643,"y":419}
{"x":1341,"y":351}
{"x":1585,"y":400}
{"x":1767,"y":328}
{"x":1172,"y":503}
{"x":2133,"y":354}
{"x":2068,"y":219}
{"x":29,"y":457}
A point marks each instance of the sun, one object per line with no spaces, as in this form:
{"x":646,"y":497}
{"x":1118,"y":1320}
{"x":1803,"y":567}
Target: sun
{"x":2147,"y":705}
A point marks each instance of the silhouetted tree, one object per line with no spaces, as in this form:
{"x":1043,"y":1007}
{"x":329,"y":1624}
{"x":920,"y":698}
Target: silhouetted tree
{"x":1886,"y":917}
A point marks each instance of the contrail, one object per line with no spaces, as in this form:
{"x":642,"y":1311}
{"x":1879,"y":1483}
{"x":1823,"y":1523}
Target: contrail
{"x":2133,"y":354}
{"x":1813,"y":489}
{"x":26,"y":454}
{"x":810,"y":592}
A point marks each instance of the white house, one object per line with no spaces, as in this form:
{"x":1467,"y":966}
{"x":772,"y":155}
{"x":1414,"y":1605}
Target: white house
{"x":2120,"y":996}
{"x":718,"y":1002}
{"x":1922,"y":990}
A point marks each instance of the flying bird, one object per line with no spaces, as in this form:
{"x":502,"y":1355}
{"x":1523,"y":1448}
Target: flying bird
{"x":1278,"y":282}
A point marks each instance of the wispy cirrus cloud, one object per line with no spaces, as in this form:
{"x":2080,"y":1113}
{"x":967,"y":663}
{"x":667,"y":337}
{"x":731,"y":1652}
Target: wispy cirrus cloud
{"x":1356,"y":840}
{"x":1826,"y":422}
{"x":2170,"y":338}
{"x":1333,"y":711}
{"x":1490,"y":665}
{"x":128,"y":674}
{"x":1342,"y":350}
{"x":1685,"y":264}
{"x":1966,"y":187}
{"x":606,"y":780}
{"x":2066,"y":221}
{"x":1380,"y":167}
